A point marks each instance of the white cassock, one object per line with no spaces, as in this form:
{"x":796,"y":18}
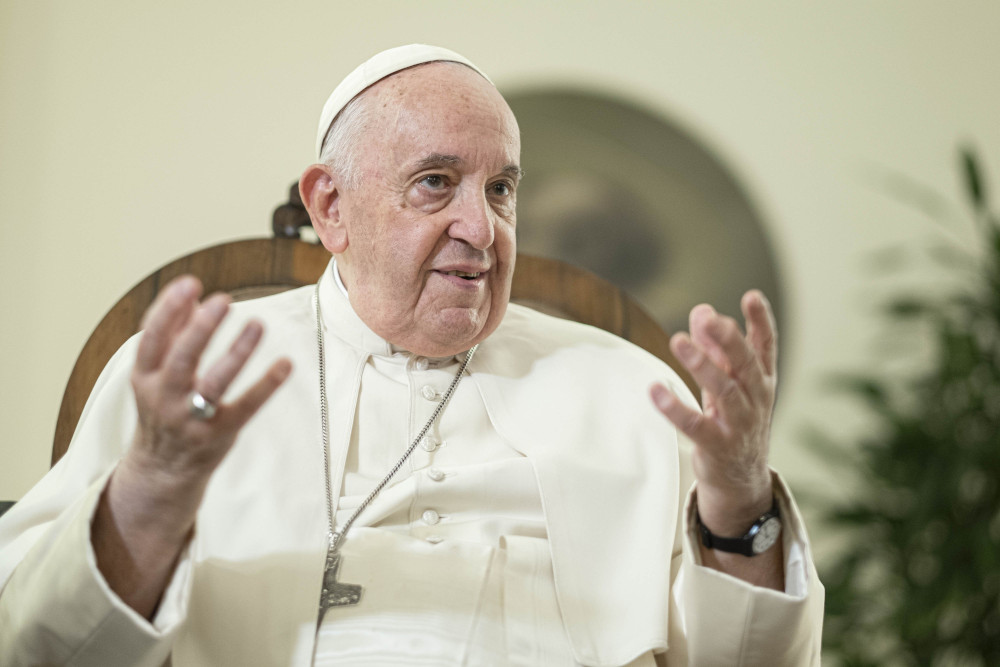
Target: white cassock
{"x":541,"y":522}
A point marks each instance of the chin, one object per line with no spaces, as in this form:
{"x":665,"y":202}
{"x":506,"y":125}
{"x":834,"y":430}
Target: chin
{"x":452,"y":335}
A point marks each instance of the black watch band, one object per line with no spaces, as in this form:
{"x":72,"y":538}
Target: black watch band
{"x":761,"y":536}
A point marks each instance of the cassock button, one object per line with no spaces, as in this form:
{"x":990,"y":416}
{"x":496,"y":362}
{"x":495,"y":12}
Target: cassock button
{"x":431,"y":518}
{"x":429,"y":392}
{"x":436,"y":474}
{"x":421,"y":363}
{"x":428,"y":444}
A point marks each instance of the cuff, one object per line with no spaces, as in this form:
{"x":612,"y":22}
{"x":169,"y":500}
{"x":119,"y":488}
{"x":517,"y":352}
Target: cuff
{"x":67,"y":614}
{"x":729,"y":621}
{"x":794,"y":541}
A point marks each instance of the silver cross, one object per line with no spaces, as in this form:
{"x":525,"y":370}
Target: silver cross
{"x":335,"y":593}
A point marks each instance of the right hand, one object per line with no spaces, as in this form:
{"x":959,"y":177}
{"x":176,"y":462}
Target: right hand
{"x":172,"y":449}
{"x":148,"y":508}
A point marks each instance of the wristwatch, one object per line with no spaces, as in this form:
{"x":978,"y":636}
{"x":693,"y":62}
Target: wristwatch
{"x":762,"y":535}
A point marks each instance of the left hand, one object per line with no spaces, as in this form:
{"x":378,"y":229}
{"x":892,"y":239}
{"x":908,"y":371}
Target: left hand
{"x":737,"y":376}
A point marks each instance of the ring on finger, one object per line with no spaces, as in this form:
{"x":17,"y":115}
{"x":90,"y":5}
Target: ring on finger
{"x":200,"y":407}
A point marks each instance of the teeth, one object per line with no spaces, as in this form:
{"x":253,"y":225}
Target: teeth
{"x":463,"y":274}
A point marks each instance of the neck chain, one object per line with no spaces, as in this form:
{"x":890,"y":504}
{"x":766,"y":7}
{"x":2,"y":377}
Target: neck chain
{"x":335,"y":593}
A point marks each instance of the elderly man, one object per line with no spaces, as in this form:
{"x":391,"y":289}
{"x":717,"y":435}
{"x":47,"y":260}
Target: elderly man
{"x":443,"y":478}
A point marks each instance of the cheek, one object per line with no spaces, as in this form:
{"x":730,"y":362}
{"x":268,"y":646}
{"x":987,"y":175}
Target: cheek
{"x":506,"y":253}
{"x":401,"y":266}
{"x":506,"y":242}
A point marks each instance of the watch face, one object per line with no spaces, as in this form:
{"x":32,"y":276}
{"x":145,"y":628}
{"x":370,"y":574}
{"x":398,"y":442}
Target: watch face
{"x":767,"y":535}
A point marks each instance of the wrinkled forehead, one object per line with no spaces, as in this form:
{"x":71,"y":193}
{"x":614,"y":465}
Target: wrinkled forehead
{"x":435,"y":104}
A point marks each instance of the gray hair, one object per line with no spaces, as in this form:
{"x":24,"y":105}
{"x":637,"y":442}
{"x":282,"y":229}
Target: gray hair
{"x":340,"y":148}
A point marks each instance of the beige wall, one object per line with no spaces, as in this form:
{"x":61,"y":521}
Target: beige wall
{"x":131,"y":133}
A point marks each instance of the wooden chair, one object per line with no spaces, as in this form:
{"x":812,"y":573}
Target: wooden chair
{"x":258,"y":267}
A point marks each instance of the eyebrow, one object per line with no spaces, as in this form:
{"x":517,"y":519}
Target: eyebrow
{"x":437,"y":160}
{"x":442,"y":159}
{"x":514,"y":171}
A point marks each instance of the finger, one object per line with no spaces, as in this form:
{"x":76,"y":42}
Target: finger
{"x":721,"y":337}
{"x":215,"y":382}
{"x":688,"y":421}
{"x":169,"y":312}
{"x":239,"y":412}
{"x":728,"y":397}
{"x":762,"y":331}
{"x":698,"y":322}
{"x":182,"y":359}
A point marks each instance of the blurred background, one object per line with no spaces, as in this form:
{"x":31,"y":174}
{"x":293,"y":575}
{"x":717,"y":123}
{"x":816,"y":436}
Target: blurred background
{"x":685,"y":151}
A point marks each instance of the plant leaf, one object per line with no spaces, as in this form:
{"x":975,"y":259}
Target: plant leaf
{"x":973,"y":179}
{"x":908,"y":307}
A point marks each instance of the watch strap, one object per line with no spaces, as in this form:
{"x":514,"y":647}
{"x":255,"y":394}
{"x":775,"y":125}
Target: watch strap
{"x":738,"y":545}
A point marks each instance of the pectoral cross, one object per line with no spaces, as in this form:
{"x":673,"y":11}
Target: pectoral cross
{"x":335,"y":593}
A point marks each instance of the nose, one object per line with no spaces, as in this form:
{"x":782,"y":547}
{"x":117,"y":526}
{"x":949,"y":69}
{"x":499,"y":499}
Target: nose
{"x":473,"y":220}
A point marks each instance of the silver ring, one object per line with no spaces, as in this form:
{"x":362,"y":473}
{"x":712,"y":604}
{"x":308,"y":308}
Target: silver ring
{"x":200,"y":407}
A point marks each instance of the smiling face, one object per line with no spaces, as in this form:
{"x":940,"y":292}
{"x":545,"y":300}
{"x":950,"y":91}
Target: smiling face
{"x":425,"y":241}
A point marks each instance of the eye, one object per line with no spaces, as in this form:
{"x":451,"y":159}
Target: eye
{"x":502,"y":189}
{"x":433,"y":181}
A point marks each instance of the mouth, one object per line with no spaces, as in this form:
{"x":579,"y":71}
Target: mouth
{"x":463,"y":278}
{"x":464,"y":275}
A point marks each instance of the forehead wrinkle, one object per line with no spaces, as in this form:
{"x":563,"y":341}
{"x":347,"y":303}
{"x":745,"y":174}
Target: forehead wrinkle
{"x":394,"y":99}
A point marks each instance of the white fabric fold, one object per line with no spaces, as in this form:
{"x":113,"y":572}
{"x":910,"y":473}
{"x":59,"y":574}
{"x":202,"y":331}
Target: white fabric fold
{"x":612,"y":480}
{"x":60,"y":609}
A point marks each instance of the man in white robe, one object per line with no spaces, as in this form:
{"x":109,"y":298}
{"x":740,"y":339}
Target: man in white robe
{"x":544,"y":518}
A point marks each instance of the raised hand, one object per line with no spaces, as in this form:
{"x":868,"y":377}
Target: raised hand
{"x":169,"y":437}
{"x":737,"y":376}
{"x":149,"y":506}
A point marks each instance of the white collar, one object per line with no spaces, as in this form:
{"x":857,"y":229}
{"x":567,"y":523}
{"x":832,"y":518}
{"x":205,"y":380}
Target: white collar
{"x":336,"y":277}
{"x":340,"y":319}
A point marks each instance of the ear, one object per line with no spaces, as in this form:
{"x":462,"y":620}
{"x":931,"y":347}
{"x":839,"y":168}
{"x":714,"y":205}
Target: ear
{"x":321,"y":197}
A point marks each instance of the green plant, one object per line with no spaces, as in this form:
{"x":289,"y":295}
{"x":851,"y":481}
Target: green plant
{"x":919,"y":581}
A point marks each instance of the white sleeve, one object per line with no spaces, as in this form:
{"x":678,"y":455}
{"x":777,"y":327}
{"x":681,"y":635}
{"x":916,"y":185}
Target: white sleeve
{"x":55,"y":607}
{"x":717,"y":619}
